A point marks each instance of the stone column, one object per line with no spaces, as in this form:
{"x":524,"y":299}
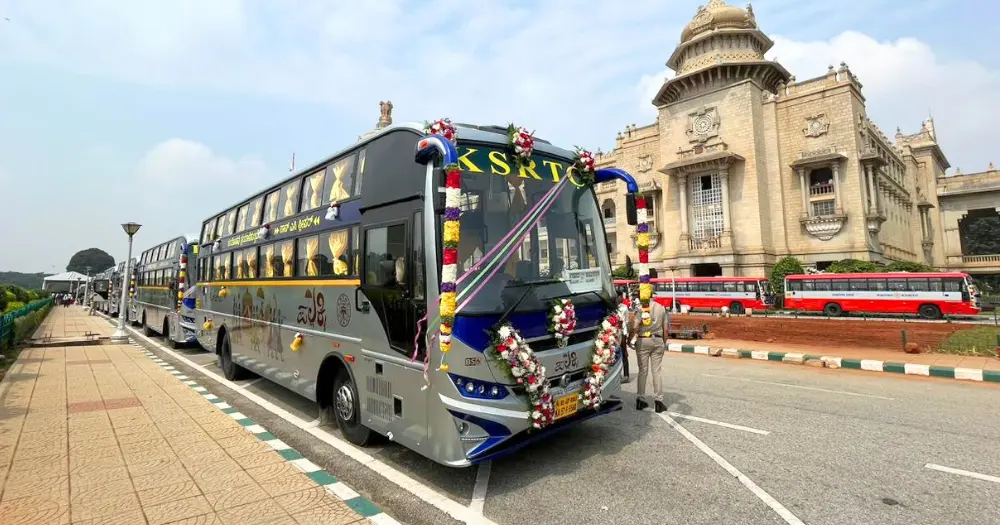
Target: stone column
{"x":872,"y":199}
{"x":724,"y":177}
{"x":682,"y":190}
{"x":923,"y":224}
{"x":839,"y":207}
{"x":805,"y":192}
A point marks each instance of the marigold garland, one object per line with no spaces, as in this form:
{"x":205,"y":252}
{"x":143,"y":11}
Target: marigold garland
{"x":449,"y":256}
{"x":522,"y":142}
{"x":513,"y":355}
{"x":562,"y":321}
{"x":608,"y":338}
{"x":642,"y":242}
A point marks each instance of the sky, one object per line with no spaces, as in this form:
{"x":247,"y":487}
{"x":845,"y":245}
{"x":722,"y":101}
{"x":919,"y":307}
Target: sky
{"x":164,"y":113}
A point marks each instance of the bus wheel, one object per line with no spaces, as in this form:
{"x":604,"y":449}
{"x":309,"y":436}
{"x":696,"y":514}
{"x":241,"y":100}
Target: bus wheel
{"x":833,"y":310}
{"x":736,"y":308}
{"x":166,"y":334}
{"x":347,"y":409}
{"x":231,"y":370}
{"x":929,"y":311}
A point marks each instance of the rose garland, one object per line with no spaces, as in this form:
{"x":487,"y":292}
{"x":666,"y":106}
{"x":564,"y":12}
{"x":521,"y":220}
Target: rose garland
{"x":642,"y":242}
{"x":562,"y":321}
{"x":513,"y":355}
{"x":522,"y":142}
{"x":585,"y":164}
{"x":608,"y":338}
{"x":450,"y":237}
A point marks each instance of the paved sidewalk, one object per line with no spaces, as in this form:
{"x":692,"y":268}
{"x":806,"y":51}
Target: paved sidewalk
{"x":71,"y":323}
{"x":102,"y":434}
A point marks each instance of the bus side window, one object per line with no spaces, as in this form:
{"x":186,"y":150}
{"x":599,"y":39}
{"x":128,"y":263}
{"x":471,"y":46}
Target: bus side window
{"x":795,"y":286}
{"x":808,"y":286}
{"x":917,"y":285}
{"x":952,"y":285}
{"x":839,"y":285}
{"x":897,"y":285}
{"x":877,"y":285}
{"x":821,"y":285}
{"x":934,"y":284}
{"x":859,"y":285}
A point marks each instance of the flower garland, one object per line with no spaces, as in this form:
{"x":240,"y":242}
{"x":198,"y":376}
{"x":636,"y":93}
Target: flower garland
{"x":443,"y":128}
{"x":513,"y":355}
{"x":522,"y":142}
{"x":608,"y":338}
{"x":562,"y":321}
{"x":642,"y":242}
{"x":585,"y":164}
{"x":449,"y":259}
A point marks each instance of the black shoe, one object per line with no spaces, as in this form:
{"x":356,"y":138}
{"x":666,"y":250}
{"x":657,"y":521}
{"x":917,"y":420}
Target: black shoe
{"x":640,"y":404}
{"x":659,"y":406}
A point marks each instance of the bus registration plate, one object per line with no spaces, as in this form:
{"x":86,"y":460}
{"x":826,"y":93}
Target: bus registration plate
{"x":567,"y":405}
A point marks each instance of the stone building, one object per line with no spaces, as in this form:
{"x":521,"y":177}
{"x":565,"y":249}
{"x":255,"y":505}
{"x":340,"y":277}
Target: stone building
{"x":745,"y":164}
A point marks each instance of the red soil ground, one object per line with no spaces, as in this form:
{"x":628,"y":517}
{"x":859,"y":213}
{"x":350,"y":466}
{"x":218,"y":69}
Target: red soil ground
{"x":885,"y":335}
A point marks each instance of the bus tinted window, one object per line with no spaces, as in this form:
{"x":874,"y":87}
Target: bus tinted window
{"x":952,"y":285}
{"x":917,"y":285}
{"x":227,"y":266}
{"x":289,"y":198}
{"x":220,"y":227}
{"x":241,"y":218}
{"x":240,"y":264}
{"x":256,"y":207}
{"x":859,"y":285}
{"x":356,"y":250}
{"x":897,"y":285}
{"x":821,"y":285}
{"x":339,"y":176}
{"x":795,"y":286}
{"x":267,"y":262}
{"x":284,"y":259}
{"x":839,"y":285}
{"x":231,"y":222}
{"x":359,"y":178}
{"x":877,"y":285}
{"x":309,"y":257}
{"x":250,"y":259}
{"x":312,"y":191}
{"x":271,"y":206}
{"x":386,"y":248}
{"x":335,"y":249}
{"x":934,"y":284}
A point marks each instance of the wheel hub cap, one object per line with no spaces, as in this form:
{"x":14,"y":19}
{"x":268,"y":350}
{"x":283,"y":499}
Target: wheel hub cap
{"x":345,"y":403}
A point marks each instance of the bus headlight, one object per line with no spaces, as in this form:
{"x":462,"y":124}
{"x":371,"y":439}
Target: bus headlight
{"x":476,"y":389}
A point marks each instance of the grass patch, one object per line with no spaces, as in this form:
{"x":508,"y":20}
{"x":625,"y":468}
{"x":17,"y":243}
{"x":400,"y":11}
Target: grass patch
{"x":980,"y":341}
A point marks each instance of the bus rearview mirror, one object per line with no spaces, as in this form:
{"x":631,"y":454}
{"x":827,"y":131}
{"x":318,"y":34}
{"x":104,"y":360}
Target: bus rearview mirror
{"x":630,"y":209}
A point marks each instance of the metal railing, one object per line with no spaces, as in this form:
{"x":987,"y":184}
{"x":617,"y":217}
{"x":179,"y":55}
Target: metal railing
{"x":7,"y":321}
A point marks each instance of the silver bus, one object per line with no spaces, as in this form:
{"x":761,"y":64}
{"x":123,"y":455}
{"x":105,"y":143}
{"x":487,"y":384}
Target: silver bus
{"x":101,"y":284}
{"x":117,"y":287}
{"x":162,"y":279}
{"x":321,"y":284}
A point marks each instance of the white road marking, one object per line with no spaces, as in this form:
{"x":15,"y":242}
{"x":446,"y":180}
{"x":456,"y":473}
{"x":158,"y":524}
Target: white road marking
{"x":966,"y":473}
{"x":719,"y":423}
{"x":777,"y":507}
{"x":479,"y":490}
{"x":801,"y":387}
{"x":420,"y":490}
{"x":252,"y":382}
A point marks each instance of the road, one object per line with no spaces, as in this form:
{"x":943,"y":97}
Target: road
{"x":770,"y":444}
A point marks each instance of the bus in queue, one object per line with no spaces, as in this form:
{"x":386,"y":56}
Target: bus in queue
{"x":321,"y":282}
{"x":929,"y":295}
{"x":162,"y":278}
{"x":738,"y":294}
{"x":120,"y":285}
{"x":101,"y":284}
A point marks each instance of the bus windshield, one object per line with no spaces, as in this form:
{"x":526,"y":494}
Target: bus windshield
{"x":564,"y":253}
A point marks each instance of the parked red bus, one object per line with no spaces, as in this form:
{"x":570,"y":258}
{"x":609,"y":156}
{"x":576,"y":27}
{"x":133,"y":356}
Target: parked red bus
{"x":702,"y":293}
{"x":929,"y":295}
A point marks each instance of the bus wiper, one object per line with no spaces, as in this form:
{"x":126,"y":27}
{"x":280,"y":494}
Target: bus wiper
{"x":529,"y":286}
{"x":513,"y":284}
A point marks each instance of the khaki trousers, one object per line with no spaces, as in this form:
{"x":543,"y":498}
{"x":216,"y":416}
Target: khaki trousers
{"x":650,"y":354}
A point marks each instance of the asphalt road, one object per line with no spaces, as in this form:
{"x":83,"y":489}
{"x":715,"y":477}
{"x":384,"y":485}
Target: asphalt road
{"x":810,"y":445}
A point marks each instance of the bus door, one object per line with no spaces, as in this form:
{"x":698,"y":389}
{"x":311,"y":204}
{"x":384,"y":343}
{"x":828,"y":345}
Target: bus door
{"x":389,"y":378}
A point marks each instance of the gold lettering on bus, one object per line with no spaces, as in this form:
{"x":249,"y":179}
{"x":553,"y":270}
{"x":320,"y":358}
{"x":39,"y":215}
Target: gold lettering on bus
{"x":473,"y":160}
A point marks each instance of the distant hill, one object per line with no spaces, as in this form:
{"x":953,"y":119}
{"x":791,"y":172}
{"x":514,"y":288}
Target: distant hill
{"x":29,"y":281}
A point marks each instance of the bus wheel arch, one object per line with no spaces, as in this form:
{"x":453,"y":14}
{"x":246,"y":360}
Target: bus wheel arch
{"x":833,"y":309}
{"x":338,"y":398}
{"x":230,"y":370}
{"x":929,"y":311}
{"x":736,"y":308}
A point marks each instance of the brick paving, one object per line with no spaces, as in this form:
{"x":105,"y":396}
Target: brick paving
{"x":103,"y":435}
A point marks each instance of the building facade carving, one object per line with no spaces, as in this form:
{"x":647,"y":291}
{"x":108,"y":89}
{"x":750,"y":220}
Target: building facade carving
{"x":748,"y":164}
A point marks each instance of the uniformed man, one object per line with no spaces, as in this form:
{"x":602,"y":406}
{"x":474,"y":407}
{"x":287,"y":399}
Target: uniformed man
{"x":651,"y":345}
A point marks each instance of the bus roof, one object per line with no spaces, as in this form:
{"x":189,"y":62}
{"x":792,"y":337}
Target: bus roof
{"x":466,"y":133}
{"x":709,"y":279}
{"x":885,"y":275}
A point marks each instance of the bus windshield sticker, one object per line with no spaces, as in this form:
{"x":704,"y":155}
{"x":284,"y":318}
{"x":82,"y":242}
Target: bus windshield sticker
{"x":585,"y":280}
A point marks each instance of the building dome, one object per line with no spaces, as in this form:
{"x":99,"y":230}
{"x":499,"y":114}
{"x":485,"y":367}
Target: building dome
{"x":718,"y":15}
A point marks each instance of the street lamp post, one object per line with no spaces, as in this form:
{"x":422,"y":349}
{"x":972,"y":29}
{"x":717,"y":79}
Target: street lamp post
{"x":120,"y":336}
{"x":674,"y":307}
{"x":86,"y":290}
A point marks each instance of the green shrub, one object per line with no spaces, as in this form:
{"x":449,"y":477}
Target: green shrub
{"x":786,"y":266}
{"x":12,"y":306}
{"x":854,"y":266}
{"x":901,"y":266}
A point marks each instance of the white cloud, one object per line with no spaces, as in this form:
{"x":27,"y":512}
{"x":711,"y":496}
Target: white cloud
{"x":903,"y":81}
{"x":185,"y":164}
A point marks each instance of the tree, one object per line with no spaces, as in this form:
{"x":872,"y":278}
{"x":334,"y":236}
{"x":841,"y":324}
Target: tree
{"x":982,"y":236}
{"x":854,"y":266}
{"x":786,"y":266}
{"x":96,"y":258}
{"x":625,"y":271}
{"x":904,"y":266}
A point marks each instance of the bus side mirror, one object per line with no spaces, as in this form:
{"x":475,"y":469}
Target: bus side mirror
{"x":630,"y":217}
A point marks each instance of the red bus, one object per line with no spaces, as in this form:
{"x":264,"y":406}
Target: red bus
{"x":702,"y":293}
{"x":929,"y":295}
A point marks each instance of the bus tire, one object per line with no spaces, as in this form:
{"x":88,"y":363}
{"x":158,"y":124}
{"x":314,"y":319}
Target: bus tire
{"x":167,"y":336}
{"x":347,"y":409}
{"x":929,"y":311}
{"x":833,"y":310}
{"x":230,"y":370}
{"x":736,"y":308}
